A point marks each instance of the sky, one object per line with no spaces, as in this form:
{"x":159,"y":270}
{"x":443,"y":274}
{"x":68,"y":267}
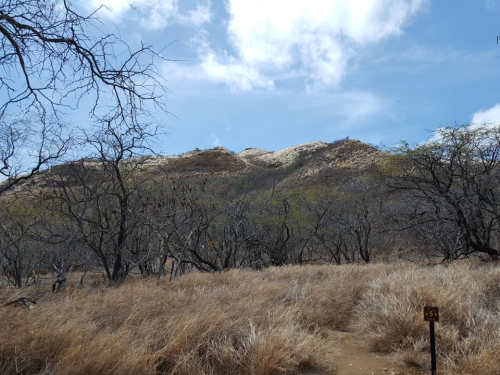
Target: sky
{"x":271,"y":74}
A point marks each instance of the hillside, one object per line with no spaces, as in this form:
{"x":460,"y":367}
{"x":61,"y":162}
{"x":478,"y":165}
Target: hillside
{"x":307,"y":163}
{"x":304,"y":164}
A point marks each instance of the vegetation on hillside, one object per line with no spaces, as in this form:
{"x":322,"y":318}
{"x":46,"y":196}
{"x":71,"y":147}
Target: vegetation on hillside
{"x":435,"y":202}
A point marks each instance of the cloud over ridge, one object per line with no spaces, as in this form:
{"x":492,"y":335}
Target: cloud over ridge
{"x":266,"y":41}
{"x":489,"y":116}
{"x":317,"y":37}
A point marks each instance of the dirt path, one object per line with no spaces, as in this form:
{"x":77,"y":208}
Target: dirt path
{"x":353,"y":357}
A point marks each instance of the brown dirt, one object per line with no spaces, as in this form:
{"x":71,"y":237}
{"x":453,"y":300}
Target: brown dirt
{"x":352,"y":356}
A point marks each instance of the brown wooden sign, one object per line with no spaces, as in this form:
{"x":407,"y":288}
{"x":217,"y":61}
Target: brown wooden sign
{"x":431,"y":314}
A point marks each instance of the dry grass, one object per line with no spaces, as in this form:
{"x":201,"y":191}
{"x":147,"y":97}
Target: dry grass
{"x":243,"y":322}
{"x":239,"y":322}
{"x":468,"y":334}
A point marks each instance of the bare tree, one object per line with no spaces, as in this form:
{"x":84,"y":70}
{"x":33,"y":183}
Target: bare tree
{"x":54,"y":60}
{"x":27,"y":145}
{"x":20,"y":255}
{"x":453,"y":181}
{"x":331,"y":237}
{"x":361,"y":215}
{"x":97,"y":194}
{"x":51,"y":55}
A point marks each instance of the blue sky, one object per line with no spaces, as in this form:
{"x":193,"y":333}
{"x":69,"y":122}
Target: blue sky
{"x":275,"y":73}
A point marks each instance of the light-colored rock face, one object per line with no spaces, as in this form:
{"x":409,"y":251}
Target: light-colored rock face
{"x":252,"y":153}
{"x":252,"y":157}
{"x":281,"y":158}
{"x":350,"y":153}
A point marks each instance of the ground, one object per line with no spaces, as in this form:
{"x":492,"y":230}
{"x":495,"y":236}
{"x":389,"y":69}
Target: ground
{"x":352,"y":356}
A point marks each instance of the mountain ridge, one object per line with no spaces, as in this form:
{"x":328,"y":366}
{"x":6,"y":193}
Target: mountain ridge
{"x":304,"y":164}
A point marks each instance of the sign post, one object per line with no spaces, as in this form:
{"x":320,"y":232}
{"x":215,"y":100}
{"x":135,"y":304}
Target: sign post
{"x":431,"y":315}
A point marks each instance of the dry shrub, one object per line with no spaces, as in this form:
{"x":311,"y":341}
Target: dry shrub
{"x":391,"y":314}
{"x":245,"y":322}
{"x":326,"y":295}
{"x":239,"y":322}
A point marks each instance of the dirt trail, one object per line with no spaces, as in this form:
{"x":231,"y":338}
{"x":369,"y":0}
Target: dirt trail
{"x":353,"y":357}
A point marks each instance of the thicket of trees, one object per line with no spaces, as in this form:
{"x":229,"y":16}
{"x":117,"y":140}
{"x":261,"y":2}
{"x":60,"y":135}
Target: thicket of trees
{"x":122,"y":220}
{"x":437,"y":201}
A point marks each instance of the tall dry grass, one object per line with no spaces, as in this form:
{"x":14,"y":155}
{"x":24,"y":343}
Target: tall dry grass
{"x":468,"y":334}
{"x":239,"y":322}
{"x":276,"y":321}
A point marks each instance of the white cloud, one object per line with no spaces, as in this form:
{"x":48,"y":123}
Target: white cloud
{"x":218,"y":68}
{"x":352,"y":108}
{"x":113,"y":9}
{"x":201,"y":15}
{"x":491,"y":4}
{"x":152,"y":14}
{"x":489,"y":116}
{"x":319,"y":37}
{"x":234,"y":73}
{"x":360,"y":106}
{"x":214,"y":141}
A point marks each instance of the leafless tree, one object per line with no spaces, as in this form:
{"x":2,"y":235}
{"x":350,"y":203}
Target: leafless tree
{"x":20,"y":255}
{"x":53,"y":61}
{"x":27,"y":145}
{"x":97,"y":194}
{"x":453,"y":181}
{"x":53,"y":57}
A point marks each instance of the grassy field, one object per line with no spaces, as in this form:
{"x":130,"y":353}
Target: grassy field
{"x":276,"y":321}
